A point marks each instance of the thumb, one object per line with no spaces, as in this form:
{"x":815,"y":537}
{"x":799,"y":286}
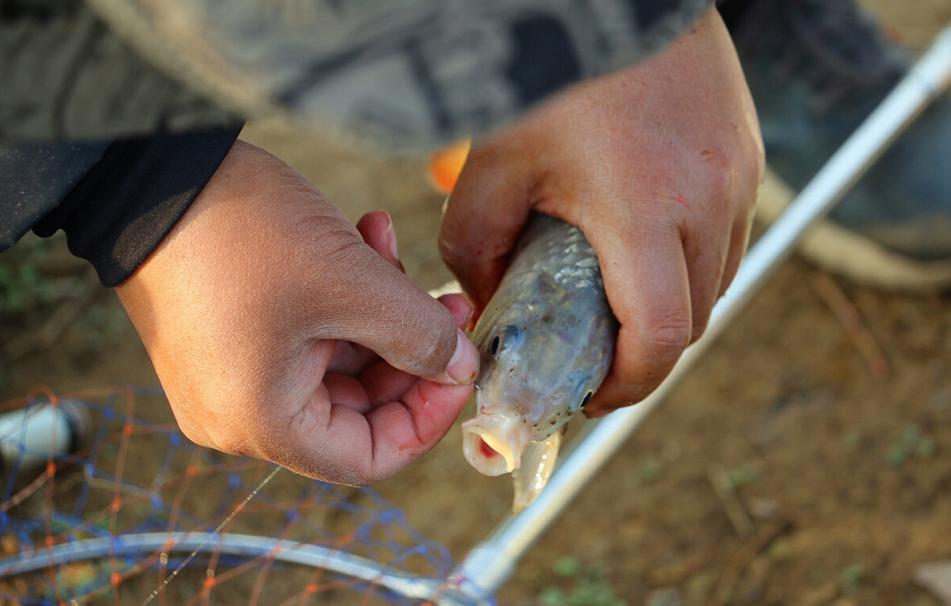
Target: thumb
{"x":385,"y":312}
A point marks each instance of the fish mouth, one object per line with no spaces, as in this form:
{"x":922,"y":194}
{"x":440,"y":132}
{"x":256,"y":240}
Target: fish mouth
{"x":493,"y":442}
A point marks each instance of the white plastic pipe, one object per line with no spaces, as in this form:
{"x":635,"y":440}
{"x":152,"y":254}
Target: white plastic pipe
{"x":31,"y":436}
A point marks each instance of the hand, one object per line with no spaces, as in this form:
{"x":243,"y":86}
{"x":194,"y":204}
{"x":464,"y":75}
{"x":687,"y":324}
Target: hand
{"x":658,"y":165}
{"x":280,"y":331}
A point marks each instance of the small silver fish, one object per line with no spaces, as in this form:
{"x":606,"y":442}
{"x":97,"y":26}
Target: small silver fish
{"x":547,"y":340}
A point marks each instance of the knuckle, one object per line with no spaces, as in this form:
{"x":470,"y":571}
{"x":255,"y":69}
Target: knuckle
{"x":666,"y":338}
{"x":718,"y":172}
{"x":341,"y":248}
{"x":329,"y":233}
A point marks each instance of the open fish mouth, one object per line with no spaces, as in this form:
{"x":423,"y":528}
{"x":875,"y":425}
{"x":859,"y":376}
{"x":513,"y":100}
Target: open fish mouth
{"x":493,"y":442}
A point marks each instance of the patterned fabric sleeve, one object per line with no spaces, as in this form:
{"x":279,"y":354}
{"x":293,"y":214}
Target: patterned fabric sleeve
{"x":407,"y":73}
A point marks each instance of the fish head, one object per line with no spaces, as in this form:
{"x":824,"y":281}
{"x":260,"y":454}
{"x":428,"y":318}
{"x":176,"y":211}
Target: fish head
{"x":535,"y":374}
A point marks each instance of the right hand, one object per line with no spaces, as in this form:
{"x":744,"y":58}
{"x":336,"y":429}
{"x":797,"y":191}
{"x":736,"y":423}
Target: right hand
{"x":280,"y":331}
{"x":658,"y":165}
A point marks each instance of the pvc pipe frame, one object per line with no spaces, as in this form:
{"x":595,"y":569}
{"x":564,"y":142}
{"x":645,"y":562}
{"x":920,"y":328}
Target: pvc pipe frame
{"x":493,"y":561}
{"x":248,"y":546}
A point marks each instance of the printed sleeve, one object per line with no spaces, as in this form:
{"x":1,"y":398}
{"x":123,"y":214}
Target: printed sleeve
{"x":409,"y":74}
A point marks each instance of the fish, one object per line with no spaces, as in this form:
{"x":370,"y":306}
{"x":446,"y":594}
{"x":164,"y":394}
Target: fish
{"x":546,"y":340}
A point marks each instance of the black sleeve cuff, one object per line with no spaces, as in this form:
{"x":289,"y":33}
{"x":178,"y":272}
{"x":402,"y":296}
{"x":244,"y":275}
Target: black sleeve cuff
{"x":126,"y":204}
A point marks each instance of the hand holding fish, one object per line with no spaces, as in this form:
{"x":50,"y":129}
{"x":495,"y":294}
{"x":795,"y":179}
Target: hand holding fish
{"x":658,"y":166}
{"x":281,"y":331}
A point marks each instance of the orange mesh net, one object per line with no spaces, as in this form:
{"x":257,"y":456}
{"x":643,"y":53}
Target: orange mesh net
{"x":103,"y":499}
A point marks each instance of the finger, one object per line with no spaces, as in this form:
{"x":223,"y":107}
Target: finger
{"x":350,"y":358}
{"x":743,"y":224}
{"x":459,"y":306}
{"x":346,"y":391}
{"x":375,"y":305}
{"x":318,"y":438}
{"x":646,"y":281}
{"x":376,"y":227}
{"x":338,"y":444}
{"x":483,"y":218}
{"x":706,"y":253}
{"x":404,"y":430}
{"x":739,"y":240}
{"x":327,"y":442}
{"x":382,"y":383}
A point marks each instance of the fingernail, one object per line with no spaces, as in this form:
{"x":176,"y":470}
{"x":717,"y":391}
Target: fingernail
{"x":470,"y":309}
{"x":464,"y":364}
{"x":391,"y":236}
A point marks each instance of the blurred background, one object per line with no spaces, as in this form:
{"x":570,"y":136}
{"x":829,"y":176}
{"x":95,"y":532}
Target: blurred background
{"x":807,"y":460}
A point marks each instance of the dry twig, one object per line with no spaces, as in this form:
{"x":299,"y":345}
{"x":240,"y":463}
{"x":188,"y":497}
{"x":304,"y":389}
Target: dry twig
{"x":744,"y":556}
{"x":732,"y":505}
{"x":850,"y":318}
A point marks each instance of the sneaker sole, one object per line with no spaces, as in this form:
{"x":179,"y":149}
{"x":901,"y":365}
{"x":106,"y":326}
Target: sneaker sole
{"x":846,"y":253}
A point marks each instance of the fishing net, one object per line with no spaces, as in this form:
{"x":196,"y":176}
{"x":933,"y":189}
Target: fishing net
{"x":104,"y":499}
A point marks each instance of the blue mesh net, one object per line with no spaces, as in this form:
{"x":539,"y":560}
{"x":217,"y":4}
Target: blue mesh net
{"x":100,"y":489}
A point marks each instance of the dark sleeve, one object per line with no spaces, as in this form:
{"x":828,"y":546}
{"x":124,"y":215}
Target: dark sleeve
{"x":94,"y":140}
{"x":132,"y":196}
{"x":34,"y":177}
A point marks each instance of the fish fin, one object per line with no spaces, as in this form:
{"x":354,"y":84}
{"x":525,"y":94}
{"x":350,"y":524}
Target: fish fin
{"x":538,"y":461}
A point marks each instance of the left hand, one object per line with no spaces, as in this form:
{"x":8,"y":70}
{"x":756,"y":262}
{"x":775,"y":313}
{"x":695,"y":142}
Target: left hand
{"x":658,"y":166}
{"x":281,"y":331}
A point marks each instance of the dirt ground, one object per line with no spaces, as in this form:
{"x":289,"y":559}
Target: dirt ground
{"x":796,"y":465}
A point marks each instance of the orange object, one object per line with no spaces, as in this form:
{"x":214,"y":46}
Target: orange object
{"x":446,"y":164}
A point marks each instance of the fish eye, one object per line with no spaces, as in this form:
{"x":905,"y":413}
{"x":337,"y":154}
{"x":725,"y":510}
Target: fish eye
{"x":509,"y":336}
{"x":586,"y":399}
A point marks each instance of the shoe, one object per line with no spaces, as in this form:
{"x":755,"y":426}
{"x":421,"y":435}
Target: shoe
{"x":816,"y":70}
